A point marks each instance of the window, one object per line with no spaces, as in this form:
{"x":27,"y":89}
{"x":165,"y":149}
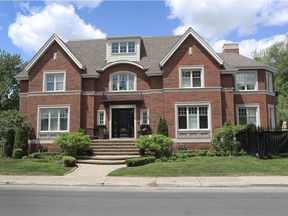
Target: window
{"x":101,"y":117}
{"x":271,"y":116}
{"x":246,"y":81}
{"x":269,"y":82}
{"x":247,"y":115}
{"x":144,"y":119}
{"x":123,"y":82}
{"x":193,"y":117}
{"x":191,"y":78}
{"x":54,"y":82}
{"x":123,"y":47}
{"x":54,"y":119}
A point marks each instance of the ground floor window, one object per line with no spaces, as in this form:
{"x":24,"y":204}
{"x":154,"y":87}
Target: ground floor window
{"x":193,"y":117}
{"x":144,"y":118}
{"x":247,"y":115}
{"x":101,"y":117}
{"x":53,"y":119}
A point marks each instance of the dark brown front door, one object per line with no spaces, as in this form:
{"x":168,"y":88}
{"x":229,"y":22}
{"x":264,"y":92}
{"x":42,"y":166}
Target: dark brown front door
{"x":123,"y":123}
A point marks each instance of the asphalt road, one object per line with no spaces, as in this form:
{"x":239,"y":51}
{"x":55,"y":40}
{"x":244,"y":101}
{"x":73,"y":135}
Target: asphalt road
{"x":82,"y":201}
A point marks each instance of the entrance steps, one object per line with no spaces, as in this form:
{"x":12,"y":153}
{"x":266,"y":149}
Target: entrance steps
{"x":110,"y":151}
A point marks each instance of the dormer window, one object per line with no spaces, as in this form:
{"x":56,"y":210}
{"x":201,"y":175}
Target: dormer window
{"x":123,"y":47}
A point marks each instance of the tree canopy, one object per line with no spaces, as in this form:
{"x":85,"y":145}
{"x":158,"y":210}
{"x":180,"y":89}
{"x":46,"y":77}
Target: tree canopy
{"x":277,"y":57}
{"x":10,"y":65}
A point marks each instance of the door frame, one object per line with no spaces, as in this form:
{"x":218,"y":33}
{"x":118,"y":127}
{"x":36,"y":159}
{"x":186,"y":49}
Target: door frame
{"x":121,"y":107}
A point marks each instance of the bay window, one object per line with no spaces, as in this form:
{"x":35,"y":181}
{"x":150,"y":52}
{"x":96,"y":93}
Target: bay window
{"x":246,"y":81}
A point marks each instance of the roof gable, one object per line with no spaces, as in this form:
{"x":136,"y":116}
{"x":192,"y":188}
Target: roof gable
{"x":191,"y":32}
{"x":45,"y":47}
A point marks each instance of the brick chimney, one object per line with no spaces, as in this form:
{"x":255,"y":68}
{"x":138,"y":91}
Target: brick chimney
{"x":231,"y":47}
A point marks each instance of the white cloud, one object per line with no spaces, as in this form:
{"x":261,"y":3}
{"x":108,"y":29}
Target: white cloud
{"x":217,"y":18}
{"x":246,"y":47}
{"x":30,"y":32}
{"x":78,"y":3}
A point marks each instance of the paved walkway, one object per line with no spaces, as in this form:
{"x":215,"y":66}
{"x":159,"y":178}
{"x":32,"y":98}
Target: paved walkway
{"x":96,"y":175}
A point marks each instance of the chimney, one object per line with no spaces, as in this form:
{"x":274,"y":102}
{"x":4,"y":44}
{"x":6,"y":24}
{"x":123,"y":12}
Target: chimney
{"x":231,"y":47}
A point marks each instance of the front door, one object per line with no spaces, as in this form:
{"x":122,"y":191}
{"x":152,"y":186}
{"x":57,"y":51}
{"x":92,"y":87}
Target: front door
{"x":123,"y":123}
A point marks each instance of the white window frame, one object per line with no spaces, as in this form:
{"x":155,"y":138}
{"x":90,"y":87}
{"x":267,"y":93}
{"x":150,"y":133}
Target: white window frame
{"x":191,"y":68}
{"x":121,"y":43}
{"x":46,"y":73}
{"x":52,"y":107}
{"x":99,"y":112}
{"x":122,"y":73}
{"x":209,"y":118}
{"x":142,"y":111}
{"x":247,"y":72}
{"x":271,"y":107}
{"x":269,"y":81}
{"x":239,"y":106}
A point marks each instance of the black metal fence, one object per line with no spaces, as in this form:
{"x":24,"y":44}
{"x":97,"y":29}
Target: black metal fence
{"x":263,"y":142}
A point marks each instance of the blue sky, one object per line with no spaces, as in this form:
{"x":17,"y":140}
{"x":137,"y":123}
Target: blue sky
{"x":255,"y":24}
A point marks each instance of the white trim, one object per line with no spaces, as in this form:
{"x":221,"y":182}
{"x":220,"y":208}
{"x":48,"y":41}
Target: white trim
{"x":52,"y":107}
{"x":246,"y":72}
{"x":45,"y":73}
{"x":98,"y":117}
{"x":187,"y":104}
{"x":44,"y":48}
{"x":141,"y":116}
{"x":192,"y":68}
{"x":123,"y":62}
{"x":271,"y":106}
{"x":191,"y":32}
{"x":268,"y":68}
{"x":57,"y":93}
{"x":256,"y":105}
{"x":121,"y":107}
{"x":119,"y":73}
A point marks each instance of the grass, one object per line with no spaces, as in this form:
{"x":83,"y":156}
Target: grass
{"x":31,"y":167}
{"x":209,"y":166}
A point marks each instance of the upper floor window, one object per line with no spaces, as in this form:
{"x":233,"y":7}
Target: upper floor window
{"x":123,"y":82}
{"x":54,"y":82}
{"x":269,"y":82}
{"x":246,"y":81}
{"x":191,"y":78}
{"x":53,"y":119}
{"x":123,"y":47}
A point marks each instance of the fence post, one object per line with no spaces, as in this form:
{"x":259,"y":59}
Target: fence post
{"x":284,"y":126}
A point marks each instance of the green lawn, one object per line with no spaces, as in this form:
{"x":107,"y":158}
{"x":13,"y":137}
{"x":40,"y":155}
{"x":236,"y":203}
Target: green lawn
{"x":31,"y":167}
{"x":210,"y":166}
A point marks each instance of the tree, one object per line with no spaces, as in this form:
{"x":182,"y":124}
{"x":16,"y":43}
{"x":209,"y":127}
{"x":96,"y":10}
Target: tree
{"x":10,"y":65}
{"x":21,"y":140}
{"x":277,"y":57}
{"x":162,"y":127}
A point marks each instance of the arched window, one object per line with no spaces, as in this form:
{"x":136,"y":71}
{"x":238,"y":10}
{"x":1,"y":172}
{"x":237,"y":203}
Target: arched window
{"x":123,"y":81}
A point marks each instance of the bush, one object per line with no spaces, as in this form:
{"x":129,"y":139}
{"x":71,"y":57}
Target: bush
{"x":162,"y":127}
{"x":71,"y":142}
{"x":143,"y":143}
{"x":69,"y":161}
{"x":17,"y":153}
{"x":42,"y":155}
{"x":131,"y":162}
{"x":8,"y":141}
{"x":21,"y":140}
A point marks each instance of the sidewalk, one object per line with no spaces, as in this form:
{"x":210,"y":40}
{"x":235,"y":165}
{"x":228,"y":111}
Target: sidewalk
{"x":96,"y":175}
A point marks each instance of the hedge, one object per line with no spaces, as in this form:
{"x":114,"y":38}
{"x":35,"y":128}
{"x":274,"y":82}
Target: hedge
{"x":69,"y":161}
{"x":131,"y":162}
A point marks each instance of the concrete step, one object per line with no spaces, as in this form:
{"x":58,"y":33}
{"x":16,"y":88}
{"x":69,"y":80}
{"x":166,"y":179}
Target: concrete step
{"x":116,"y":153}
{"x":112,"y":147}
{"x":108,"y":157}
{"x":102,"y":162}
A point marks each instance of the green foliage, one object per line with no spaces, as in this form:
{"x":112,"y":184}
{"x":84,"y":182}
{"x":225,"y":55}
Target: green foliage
{"x":131,"y":162}
{"x":224,"y":141}
{"x":10,"y":65}
{"x":158,"y":144}
{"x":69,"y":161}
{"x":162,"y":127}
{"x":17,"y":153}
{"x":194,"y":153}
{"x":21,"y":140}
{"x":46,"y":155}
{"x":71,"y":142}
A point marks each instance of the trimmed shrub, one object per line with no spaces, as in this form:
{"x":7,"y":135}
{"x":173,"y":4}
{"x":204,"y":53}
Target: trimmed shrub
{"x":69,"y":161}
{"x":17,"y":153}
{"x":8,"y":141}
{"x":21,"y":140}
{"x":131,"y":162}
{"x":71,"y":142}
{"x":143,"y":143}
{"x":162,"y":127}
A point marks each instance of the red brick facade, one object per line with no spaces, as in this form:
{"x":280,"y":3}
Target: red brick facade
{"x":161,"y":95}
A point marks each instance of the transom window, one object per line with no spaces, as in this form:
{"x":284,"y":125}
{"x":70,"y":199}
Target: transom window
{"x":54,"y":82}
{"x":123,"y":47}
{"x":54,"y":119}
{"x":191,"y":78}
{"x":123,"y":82}
{"x":247,"y":115}
{"x":193,"y":117}
{"x":246,"y":81}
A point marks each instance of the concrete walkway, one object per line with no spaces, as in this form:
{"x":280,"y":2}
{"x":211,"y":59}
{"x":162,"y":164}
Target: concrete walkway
{"x":96,"y":175}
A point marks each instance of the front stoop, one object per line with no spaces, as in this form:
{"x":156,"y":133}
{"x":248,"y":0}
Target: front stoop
{"x":110,"y":152}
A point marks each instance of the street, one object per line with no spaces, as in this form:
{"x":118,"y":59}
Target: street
{"x":82,"y":201}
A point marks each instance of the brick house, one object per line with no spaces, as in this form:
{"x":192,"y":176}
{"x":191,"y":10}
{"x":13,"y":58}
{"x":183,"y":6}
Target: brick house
{"x":126,"y":82}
